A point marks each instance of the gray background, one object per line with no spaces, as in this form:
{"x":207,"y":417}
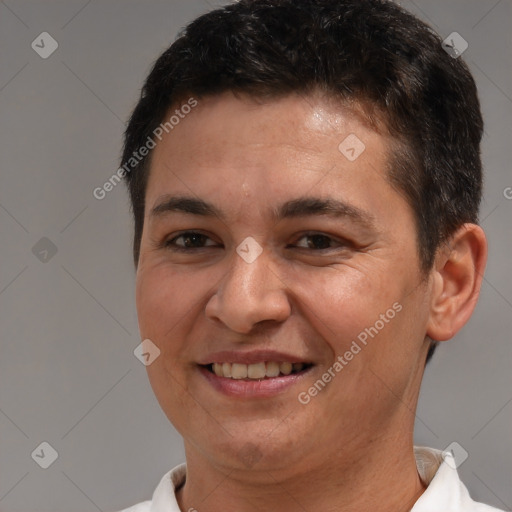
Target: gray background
{"x":68,"y":324}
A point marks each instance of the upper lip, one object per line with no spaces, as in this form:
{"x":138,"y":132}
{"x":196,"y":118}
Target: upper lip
{"x":254,"y":356}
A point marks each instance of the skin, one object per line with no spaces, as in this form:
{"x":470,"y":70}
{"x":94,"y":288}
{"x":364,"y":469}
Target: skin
{"x":351,"y":446}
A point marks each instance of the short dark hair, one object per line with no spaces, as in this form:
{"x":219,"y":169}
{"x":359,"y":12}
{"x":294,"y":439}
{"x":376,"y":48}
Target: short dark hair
{"x":368,"y":53}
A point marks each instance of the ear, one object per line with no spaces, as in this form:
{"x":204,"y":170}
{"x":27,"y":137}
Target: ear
{"x":455,"y":281}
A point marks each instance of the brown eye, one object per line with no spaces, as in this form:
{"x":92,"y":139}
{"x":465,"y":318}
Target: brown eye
{"x":319,"y":242}
{"x":189,"y":240}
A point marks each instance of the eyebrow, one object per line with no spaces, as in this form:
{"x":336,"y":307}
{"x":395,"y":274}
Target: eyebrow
{"x":300,"y":207}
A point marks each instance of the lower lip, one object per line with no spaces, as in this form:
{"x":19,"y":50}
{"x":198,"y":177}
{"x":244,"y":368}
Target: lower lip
{"x":253,"y":388}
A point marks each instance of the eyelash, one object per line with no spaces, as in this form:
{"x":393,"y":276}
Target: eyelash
{"x":171,"y":245}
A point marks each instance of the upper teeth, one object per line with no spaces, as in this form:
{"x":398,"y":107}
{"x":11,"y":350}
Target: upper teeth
{"x":255,"y":371}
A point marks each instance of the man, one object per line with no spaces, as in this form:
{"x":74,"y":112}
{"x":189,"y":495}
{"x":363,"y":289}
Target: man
{"x":305,"y":181}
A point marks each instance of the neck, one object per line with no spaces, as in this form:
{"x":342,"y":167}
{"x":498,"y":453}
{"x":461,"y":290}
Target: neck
{"x":381,"y":477}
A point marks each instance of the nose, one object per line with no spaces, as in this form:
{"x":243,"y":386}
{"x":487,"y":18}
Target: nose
{"x":249,"y":294}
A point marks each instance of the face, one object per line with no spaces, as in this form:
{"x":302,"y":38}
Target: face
{"x":290,"y":248}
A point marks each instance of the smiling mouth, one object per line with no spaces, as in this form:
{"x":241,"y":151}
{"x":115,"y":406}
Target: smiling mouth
{"x":256,"y":371}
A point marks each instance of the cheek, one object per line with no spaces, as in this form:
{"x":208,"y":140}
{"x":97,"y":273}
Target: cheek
{"x":156,"y":312}
{"x":163,"y":298}
{"x":341,"y":302}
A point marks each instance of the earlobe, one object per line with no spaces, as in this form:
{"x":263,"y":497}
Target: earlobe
{"x":456,"y":280}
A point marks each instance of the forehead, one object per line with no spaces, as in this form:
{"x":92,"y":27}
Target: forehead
{"x":297,"y":120}
{"x":230,"y":147}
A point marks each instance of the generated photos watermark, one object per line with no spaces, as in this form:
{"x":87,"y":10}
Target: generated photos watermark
{"x":139,"y":155}
{"x":341,"y":361}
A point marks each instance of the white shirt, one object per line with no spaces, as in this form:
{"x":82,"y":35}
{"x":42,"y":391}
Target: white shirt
{"x":445,"y":492}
